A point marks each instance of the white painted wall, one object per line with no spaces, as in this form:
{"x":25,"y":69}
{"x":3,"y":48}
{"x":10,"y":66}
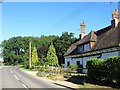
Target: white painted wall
{"x":84,"y":60}
{"x":66,"y":60}
{"x":107,"y":55}
{"x":73,"y":61}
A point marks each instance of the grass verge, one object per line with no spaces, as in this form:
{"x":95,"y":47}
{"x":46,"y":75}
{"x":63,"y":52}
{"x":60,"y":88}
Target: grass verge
{"x":56,"y":77}
{"x":25,"y":69}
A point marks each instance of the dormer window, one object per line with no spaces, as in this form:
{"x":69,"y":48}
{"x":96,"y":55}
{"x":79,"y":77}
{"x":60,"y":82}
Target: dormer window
{"x":84,"y":47}
{"x":80,"y":48}
{"x":87,"y":47}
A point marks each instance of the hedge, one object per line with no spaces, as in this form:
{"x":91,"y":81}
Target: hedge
{"x":94,"y":66}
{"x":108,"y":70}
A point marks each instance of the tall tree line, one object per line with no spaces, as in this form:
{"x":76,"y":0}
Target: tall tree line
{"x":16,"y":49}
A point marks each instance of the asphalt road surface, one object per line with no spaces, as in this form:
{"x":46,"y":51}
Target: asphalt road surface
{"x":11,"y":78}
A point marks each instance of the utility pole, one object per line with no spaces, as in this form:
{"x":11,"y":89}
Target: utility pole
{"x":30,"y":54}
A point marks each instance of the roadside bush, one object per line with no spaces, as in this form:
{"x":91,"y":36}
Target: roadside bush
{"x":79,"y":68}
{"x":94,"y":68}
{"x":73,"y":67}
{"x":50,"y":71}
{"x":43,"y":71}
{"x":42,"y":74}
{"x":67,"y":73}
{"x":107,"y":70}
{"x":70,"y":70}
{"x":113,"y":66}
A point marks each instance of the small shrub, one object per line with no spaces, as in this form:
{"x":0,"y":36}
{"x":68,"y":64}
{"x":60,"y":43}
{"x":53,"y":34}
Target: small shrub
{"x":67,"y":70}
{"x":62,"y":65}
{"x":73,"y":67}
{"x":45,"y":69}
{"x":41,"y":69}
{"x":67,"y":75}
{"x":42,"y":74}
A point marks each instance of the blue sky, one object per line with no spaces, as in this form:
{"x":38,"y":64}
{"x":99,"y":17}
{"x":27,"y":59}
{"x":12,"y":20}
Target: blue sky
{"x":53,"y":18}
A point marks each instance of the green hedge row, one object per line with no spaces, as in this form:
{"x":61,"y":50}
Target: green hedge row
{"x":107,"y":70}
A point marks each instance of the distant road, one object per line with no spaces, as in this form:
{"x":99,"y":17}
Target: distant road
{"x":12,"y":77}
{"x":1,"y":64}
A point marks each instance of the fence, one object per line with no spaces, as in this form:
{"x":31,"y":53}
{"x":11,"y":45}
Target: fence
{"x":59,"y":70}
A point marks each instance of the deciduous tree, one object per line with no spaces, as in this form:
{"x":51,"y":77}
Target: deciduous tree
{"x":62,"y":43}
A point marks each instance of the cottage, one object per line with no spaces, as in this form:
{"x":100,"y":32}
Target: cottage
{"x":97,"y":44}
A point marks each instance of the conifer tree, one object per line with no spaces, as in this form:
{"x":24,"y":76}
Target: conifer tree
{"x":34,"y":56}
{"x":52,"y":58}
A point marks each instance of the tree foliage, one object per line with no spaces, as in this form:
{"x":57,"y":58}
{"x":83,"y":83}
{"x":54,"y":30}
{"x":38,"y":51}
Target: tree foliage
{"x":51,"y":56}
{"x":62,"y":43}
{"x":16,"y":49}
{"x":107,"y":70}
{"x":12,"y":47}
{"x":42,"y":51}
{"x":34,"y":56}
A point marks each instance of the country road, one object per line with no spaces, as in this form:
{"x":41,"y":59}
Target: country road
{"x":12,"y":78}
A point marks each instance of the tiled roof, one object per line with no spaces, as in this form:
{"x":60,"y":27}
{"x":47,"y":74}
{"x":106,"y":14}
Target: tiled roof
{"x":71,"y":49}
{"x":90,"y":37}
{"x":107,"y":39}
{"x":104,"y":38}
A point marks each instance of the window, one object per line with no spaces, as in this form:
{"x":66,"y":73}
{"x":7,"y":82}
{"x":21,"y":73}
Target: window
{"x":87,"y":47}
{"x":68,"y":63}
{"x":80,"y":49}
{"x":78,"y":63}
{"x":99,"y":56}
{"x":84,"y":48}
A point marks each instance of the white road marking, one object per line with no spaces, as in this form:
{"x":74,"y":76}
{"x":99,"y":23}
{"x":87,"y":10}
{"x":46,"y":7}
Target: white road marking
{"x":24,"y":86}
{"x":11,"y":71}
{"x":19,"y":80}
{"x":16,"y":77}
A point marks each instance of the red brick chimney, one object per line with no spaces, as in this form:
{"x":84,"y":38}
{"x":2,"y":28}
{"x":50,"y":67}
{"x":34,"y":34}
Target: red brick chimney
{"x":82,"y":30}
{"x":115,"y":18}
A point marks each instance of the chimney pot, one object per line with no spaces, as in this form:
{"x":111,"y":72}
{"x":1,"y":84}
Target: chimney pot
{"x":115,"y":17}
{"x":82,"y":29}
{"x":115,"y":14}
